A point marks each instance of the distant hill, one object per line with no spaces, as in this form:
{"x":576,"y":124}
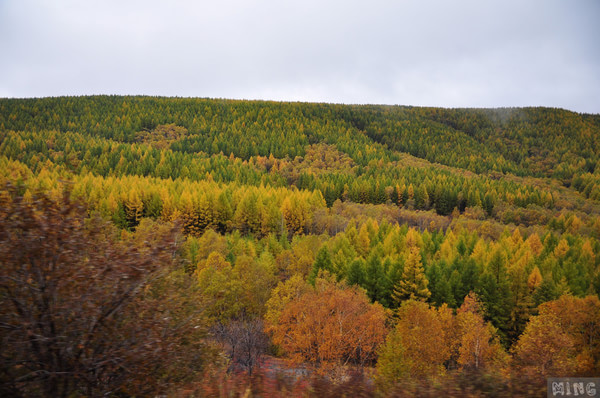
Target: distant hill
{"x":524,"y":141}
{"x":538,"y":142}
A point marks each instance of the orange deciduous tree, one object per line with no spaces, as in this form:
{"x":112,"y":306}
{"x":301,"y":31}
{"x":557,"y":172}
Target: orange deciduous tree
{"x":580,"y":319}
{"x":478,"y":344}
{"x":331,"y":326}
{"x":564,"y":339}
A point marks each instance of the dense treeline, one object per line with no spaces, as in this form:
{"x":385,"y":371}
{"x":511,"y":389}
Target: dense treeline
{"x":475,"y":233}
{"x":527,"y":141}
{"x":419,"y":187}
{"x":524,"y":141}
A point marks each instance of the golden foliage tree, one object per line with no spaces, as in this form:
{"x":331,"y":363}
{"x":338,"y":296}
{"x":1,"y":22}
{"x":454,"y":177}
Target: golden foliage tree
{"x":413,"y":285}
{"x":418,"y":346}
{"x":535,"y":279}
{"x":295,"y":213}
{"x":544,"y":349}
{"x":281,"y":295}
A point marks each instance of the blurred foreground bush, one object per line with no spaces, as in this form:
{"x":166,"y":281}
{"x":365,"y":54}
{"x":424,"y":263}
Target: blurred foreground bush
{"x":84,"y":312}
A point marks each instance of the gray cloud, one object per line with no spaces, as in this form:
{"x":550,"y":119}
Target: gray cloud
{"x":439,"y":53}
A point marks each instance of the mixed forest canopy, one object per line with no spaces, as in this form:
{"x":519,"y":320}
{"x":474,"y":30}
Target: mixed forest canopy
{"x":480,"y":226}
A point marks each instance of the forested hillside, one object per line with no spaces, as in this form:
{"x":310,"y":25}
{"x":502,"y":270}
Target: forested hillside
{"x":417,"y":245}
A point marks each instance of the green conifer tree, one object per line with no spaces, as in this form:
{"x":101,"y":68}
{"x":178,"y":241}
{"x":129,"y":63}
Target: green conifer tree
{"x":322,"y":262}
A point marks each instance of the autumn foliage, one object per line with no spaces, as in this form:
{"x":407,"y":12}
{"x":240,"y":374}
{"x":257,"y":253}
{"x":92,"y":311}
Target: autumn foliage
{"x":563,"y":340}
{"x":330,"y":326}
{"x":268,"y":248}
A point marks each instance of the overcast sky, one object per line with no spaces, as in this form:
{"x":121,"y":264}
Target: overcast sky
{"x":451,"y":53}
